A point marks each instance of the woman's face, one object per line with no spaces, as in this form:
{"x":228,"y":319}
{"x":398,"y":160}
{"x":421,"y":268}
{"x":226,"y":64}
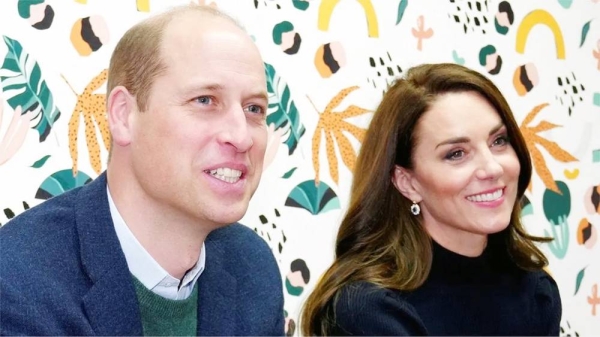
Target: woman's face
{"x":465,"y":174}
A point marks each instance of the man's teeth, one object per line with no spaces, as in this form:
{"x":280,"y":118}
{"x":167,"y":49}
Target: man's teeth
{"x":486,"y":196}
{"x":226,"y":174}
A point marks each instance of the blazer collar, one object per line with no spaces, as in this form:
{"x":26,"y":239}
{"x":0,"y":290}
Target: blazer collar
{"x":111,"y":303}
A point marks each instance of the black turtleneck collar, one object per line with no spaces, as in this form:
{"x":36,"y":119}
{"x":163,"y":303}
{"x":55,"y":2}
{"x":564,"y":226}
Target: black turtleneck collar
{"x":448,"y":266}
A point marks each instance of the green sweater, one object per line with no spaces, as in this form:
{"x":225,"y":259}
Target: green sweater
{"x":166,"y":317}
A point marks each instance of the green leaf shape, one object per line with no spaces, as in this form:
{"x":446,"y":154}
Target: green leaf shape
{"x":401,"y":9}
{"x":301,"y":4}
{"x":282,"y":110}
{"x":578,"y":280}
{"x":560,"y":234}
{"x":584,"y":32}
{"x":22,"y":82}
{"x":557,"y":205}
{"x":313,"y":198}
{"x":24,"y":7}
{"x":60,"y":182}
{"x":289,"y":173}
{"x":39,"y":163}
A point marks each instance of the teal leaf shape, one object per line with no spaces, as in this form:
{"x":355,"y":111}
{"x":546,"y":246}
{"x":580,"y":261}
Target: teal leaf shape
{"x":282,"y":110}
{"x":457,"y":59}
{"x":301,"y":4}
{"x":289,"y":173}
{"x":401,"y":9}
{"x":560,"y":233}
{"x":565,"y":3}
{"x":578,"y":280}
{"x":584,"y":32}
{"x":22,"y":82}
{"x":60,"y":182}
{"x":39,"y":163}
{"x":557,"y":205}
{"x":313,"y":198}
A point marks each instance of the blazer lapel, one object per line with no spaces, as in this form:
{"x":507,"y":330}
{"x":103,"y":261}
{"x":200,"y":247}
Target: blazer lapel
{"x":111,"y":303}
{"x":216,"y":294}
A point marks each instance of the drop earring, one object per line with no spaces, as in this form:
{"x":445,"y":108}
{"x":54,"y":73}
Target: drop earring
{"x":415,"y":209}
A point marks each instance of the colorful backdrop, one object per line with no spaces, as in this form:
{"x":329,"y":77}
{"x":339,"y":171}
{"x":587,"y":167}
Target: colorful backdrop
{"x":327,"y":64}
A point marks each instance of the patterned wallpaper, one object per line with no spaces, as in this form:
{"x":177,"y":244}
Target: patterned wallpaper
{"x":327,"y":64}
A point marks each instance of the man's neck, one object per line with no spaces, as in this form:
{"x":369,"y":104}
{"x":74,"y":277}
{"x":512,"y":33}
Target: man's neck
{"x":173,"y":240}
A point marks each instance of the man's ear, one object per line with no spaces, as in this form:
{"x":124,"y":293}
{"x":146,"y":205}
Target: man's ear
{"x":404,"y":181}
{"x":121,"y":106}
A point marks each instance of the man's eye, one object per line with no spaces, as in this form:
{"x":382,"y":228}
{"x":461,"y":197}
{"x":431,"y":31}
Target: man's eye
{"x":255,"y":109}
{"x":204,"y":100}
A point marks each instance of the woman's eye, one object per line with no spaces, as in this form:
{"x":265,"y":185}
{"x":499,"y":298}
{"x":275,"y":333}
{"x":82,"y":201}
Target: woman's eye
{"x":500,"y":141}
{"x":455,"y":155}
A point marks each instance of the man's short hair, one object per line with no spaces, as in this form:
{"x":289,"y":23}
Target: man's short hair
{"x":137,"y":60}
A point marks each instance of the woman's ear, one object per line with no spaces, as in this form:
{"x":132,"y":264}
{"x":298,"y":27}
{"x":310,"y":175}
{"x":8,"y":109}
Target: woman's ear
{"x":404,"y":181}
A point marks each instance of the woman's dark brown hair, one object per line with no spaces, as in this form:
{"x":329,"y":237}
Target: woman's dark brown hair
{"x":379,"y":240}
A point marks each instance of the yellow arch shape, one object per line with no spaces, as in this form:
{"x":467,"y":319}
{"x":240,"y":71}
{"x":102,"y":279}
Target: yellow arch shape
{"x":540,"y":16}
{"x":143,"y":5}
{"x":326,"y":9}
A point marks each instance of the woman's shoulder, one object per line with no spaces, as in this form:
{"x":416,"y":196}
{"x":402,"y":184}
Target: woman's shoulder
{"x":543,"y":284}
{"x":547,"y":300}
{"x":364,"y":308}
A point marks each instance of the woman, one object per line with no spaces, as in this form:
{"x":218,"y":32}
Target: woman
{"x":432,"y":242}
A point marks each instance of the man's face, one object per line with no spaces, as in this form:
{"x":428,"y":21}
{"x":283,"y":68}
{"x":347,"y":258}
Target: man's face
{"x":199,"y":147}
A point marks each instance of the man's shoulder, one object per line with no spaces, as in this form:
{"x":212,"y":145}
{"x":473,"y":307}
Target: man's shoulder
{"x":39,"y":222}
{"x":239,"y":238}
{"x":243,"y":250}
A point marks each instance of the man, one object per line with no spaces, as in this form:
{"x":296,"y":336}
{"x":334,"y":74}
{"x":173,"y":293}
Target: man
{"x":146,"y":248}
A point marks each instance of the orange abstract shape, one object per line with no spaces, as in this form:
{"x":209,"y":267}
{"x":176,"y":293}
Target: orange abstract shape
{"x":92,"y":107}
{"x":332,"y":124}
{"x":421,"y":33}
{"x":532,"y":139}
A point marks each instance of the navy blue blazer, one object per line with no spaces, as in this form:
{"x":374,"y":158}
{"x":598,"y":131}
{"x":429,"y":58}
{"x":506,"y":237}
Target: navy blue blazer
{"x":62,"y":272}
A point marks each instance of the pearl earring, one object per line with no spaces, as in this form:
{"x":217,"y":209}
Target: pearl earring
{"x":415,"y":209}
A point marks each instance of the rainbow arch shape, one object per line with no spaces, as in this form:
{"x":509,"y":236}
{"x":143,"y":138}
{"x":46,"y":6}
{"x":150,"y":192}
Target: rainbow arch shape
{"x":540,"y":17}
{"x":326,"y":10}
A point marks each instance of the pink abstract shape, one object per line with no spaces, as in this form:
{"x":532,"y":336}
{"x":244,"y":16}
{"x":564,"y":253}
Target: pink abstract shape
{"x":596,"y":53}
{"x":15,"y":134}
{"x":273,"y":141}
{"x":593,"y":299}
{"x":421,"y":33}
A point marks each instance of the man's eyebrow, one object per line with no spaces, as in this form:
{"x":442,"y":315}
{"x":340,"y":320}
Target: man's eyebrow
{"x":259,"y":95}
{"x":195,"y":88}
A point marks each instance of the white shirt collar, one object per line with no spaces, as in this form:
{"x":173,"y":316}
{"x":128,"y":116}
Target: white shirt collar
{"x":145,"y":268}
